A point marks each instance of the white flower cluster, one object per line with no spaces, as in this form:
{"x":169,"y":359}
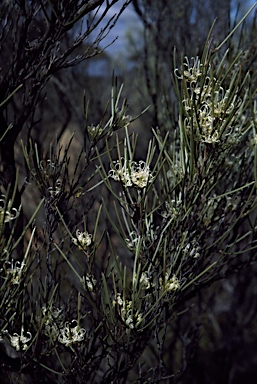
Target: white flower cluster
{"x":191,"y":72}
{"x":20,"y":342}
{"x":67,"y":333}
{"x":94,"y":131}
{"x":52,"y":321}
{"x":132,"y":241}
{"x":82,"y":240}
{"x":120,"y":120}
{"x":125,"y":121}
{"x":207,"y":103}
{"x":192,"y":250}
{"x":130,"y":317}
{"x":145,"y":280}
{"x":172,"y":209}
{"x":169,"y":284}
{"x":131,"y":173}
{"x":89,"y":281}
{"x":15,"y":271}
{"x":71,"y":334}
{"x":47,"y":169}
{"x":56,"y":189}
{"x":47,"y":166}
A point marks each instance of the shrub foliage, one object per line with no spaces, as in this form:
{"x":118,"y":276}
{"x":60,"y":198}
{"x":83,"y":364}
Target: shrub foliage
{"x":119,"y":246}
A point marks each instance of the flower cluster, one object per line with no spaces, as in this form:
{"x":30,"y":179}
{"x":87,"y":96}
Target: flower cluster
{"x":131,"y":173}
{"x":66,"y":333}
{"x":144,"y":280}
{"x":125,"y":121}
{"x":172,"y":209}
{"x":56,"y":189}
{"x":94,"y":131}
{"x":82,"y":240}
{"x":71,"y":334}
{"x":191,"y":73}
{"x":120,"y":120}
{"x":20,"y":342}
{"x":47,"y":167}
{"x":132,"y":241}
{"x":207,"y":103}
{"x":128,"y":314}
{"x":121,"y":173}
{"x":193,"y":250}
{"x":15,"y":271}
{"x":46,"y":176}
{"x":140,"y":174}
{"x":89,"y":282}
{"x":203,"y":124}
{"x":169,"y":284}
{"x":52,"y":321}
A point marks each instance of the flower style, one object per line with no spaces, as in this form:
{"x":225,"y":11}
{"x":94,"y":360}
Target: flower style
{"x":131,"y":173}
{"x":169,"y":284}
{"x":70,"y":335}
{"x":83,"y":240}
{"x":7,"y":213}
{"x":20,"y":341}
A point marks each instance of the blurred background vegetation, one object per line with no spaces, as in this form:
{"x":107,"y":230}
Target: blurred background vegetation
{"x":218,"y":335}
